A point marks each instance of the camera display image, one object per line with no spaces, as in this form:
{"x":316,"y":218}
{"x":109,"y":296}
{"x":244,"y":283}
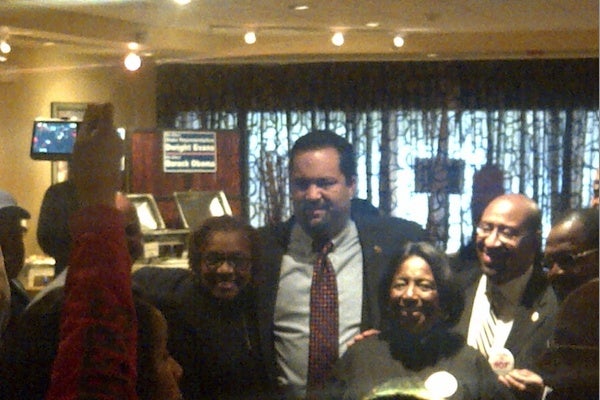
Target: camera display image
{"x":53,"y":139}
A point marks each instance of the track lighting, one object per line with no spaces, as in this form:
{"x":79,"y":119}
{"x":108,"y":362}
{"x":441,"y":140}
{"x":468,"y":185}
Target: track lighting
{"x":250,"y":37}
{"x":132,"y":61}
{"x":337,"y":39}
{"x":4,"y":46}
{"x":398,"y":41}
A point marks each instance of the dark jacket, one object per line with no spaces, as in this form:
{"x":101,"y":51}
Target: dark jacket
{"x":380,"y":239}
{"x":534,"y":317}
{"x":215,"y":342}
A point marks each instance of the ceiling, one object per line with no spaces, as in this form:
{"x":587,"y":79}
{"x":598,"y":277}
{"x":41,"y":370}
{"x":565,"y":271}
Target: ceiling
{"x":74,"y":33}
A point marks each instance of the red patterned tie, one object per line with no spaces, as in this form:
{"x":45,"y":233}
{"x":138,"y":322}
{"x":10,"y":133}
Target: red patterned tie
{"x":324,"y":331}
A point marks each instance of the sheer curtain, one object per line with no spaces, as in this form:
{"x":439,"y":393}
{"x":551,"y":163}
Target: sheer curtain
{"x":538,"y":121}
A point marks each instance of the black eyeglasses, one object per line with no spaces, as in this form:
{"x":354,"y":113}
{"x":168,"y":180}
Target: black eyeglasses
{"x":505,"y":234}
{"x":566,"y":260}
{"x":235,"y":260}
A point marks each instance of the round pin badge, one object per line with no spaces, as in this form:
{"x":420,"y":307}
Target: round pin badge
{"x":502,"y":361}
{"x":535,"y":316}
{"x":441,"y":384}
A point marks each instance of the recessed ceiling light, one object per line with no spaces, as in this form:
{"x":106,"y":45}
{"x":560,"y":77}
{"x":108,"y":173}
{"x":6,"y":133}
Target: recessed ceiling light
{"x":182,"y":2}
{"x":337,"y":39}
{"x":3,"y":59}
{"x":132,"y":62}
{"x":300,"y":7}
{"x":372,"y":24}
{"x":133,"y":46}
{"x":250,"y":37}
{"x":4,"y":47}
{"x":398,"y":41}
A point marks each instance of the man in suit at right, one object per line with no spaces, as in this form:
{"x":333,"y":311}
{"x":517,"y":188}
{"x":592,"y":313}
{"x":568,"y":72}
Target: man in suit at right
{"x":512,"y":291}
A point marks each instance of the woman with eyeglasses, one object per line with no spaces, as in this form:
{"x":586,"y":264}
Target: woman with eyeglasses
{"x":210,"y":311}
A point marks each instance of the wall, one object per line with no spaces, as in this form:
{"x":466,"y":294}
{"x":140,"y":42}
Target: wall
{"x":27,"y":94}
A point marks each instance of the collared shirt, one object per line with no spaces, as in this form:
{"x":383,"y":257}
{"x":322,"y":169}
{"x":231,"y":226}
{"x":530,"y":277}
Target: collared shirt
{"x":506,"y":299}
{"x":292,"y":307}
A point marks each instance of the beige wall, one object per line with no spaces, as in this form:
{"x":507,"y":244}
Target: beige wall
{"x":28,"y":94}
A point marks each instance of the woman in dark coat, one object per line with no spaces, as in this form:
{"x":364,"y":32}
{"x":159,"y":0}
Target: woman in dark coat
{"x":210,"y":310}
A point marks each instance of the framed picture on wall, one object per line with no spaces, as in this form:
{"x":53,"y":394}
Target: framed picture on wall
{"x":68,"y":110}
{"x":75,"y":111}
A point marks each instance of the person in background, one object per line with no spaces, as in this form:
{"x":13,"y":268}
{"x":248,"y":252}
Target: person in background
{"x":133,"y":232}
{"x":596,"y":190}
{"x":96,"y":354}
{"x":570,"y":364}
{"x":158,"y":373}
{"x":31,"y":343}
{"x":510,"y":306}
{"x":488,"y":183}
{"x":571,"y":252}
{"x":420,"y":302}
{"x":28,"y":353}
{"x":53,"y":236}
{"x":4,"y":297}
{"x":211,"y":311}
{"x":12,"y":229}
{"x":97,"y":351}
{"x":349,"y":248}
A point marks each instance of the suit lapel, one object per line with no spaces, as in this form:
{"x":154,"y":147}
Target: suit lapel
{"x":530,"y":314}
{"x":463,"y":324}
{"x":374,"y":262}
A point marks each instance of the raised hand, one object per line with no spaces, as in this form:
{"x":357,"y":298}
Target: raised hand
{"x":95,"y":165}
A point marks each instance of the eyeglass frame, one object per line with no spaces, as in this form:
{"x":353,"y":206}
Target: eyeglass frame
{"x":485,"y":231}
{"x":548,"y":262}
{"x":235,"y":260}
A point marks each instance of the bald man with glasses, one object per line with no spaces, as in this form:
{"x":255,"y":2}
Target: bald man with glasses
{"x":509,"y":304}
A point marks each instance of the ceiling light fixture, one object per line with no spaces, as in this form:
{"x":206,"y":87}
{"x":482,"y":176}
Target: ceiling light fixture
{"x":182,"y":2}
{"x":3,"y":59}
{"x":4,"y":47}
{"x":132,"y":62}
{"x":300,"y":7}
{"x":337,"y":39}
{"x":372,"y":24}
{"x":250,"y":37}
{"x":398,"y":41}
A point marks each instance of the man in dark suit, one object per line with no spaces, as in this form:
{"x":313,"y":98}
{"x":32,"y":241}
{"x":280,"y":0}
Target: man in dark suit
{"x":322,"y":183}
{"x":512,"y":287}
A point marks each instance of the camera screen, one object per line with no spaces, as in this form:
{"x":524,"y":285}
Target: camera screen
{"x":53,"y":140}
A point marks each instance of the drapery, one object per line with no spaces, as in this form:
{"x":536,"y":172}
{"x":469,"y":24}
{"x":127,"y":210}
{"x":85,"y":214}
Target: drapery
{"x":535,"y":119}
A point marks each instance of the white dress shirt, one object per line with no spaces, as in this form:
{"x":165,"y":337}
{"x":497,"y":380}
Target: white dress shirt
{"x":507,"y":297}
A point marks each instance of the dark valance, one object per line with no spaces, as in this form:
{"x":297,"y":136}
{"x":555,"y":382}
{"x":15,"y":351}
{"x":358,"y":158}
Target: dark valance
{"x":379,"y":85}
